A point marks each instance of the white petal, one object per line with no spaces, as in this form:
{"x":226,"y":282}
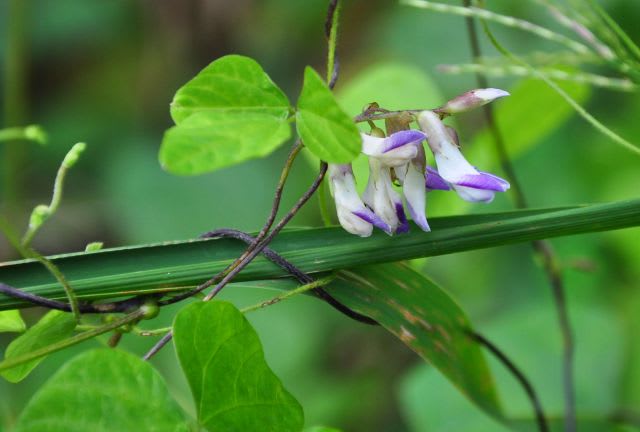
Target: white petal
{"x":451,"y":164}
{"x":474,"y":195}
{"x":415,"y":193}
{"x":352,"y":223}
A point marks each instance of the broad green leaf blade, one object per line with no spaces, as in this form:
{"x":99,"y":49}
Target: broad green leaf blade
{"x":51,"y":328}
{"x":324,"y":127}
{"x":209,"y":141}
{"x":231,"y":84}
{"x":232,"y":385}
{"x":103,"y":390}
{"x":174,"y":266}
{"x":11,"y":322}
{"x":426,"y":319}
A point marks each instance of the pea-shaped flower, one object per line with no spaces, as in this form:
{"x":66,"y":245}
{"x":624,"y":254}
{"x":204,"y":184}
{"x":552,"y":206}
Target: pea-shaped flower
{"x":352,"y":213}
{"x":468,"y":182}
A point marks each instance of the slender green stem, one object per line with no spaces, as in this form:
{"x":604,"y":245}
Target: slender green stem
{"x":501,"y":19}
{"x":152,"y":332}
{"x":575,"y":105}
{"x":15,"y":99}
{"x":333,"y":42}
{"x":31,"y":133}
{"x":631,"y":45}
{"x":620,"y":84}
{"x":331,"y":29}
{"x":42,"y":213}
{"x":28,"y":252}
{"x":299,"y":290}
{"x":541,"y":247}
{"x":73,"y":340}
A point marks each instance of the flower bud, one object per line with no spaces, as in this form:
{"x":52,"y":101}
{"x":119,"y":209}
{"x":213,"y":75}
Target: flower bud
{"x":471,"y":99}
{"x":73,"y":155}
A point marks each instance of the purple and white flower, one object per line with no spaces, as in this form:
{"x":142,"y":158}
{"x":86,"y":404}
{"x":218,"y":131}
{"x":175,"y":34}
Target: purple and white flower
{"x":470,"y":184}
{"x":402,"y":151}
{"x":353,"y":215}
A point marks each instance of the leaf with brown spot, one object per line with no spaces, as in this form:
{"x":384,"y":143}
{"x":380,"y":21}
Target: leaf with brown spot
{"x":424,"y":317}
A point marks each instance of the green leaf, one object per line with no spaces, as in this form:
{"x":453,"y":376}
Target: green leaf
{"x":11,"y":321}
{"x":103,"y":390}
{"x":53,"y":327}
{"x":172,"y":266}
{"x":209,"y":141}
{"x":426,"y":319}
{"x":232,"y":385}
{"x":231,"y":84}
{"x":328,"y":132}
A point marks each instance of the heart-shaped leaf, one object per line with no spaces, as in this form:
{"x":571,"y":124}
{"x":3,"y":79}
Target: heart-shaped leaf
{"x":232,"y":385}
{"x":103,"y":390}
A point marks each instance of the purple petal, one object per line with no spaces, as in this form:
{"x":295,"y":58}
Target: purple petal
{"x":403,"y":227}
{"x":401,"y":138}
{"x":434,"y":181}
{"x":484,"y":181}
{"x":369,"y":216}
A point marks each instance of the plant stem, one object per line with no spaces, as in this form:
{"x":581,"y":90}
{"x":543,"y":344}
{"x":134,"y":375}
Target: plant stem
{"x":474,"y":12}
{"x":301,"y":289}
{"x":81,"y":337}
{"x":28,"y":252}
{"x":541,"y":247}
{"x":15,"y":100}
{"x":331,"y":29}
{"x":56,"y":197}
{"x":518,"y":375}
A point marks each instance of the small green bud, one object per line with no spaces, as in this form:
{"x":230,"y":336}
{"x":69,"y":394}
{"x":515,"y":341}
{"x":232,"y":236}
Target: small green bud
{"x":35,"y":133}
{"x":39,"y":215}
{"x":377,"y":132}
{"x":72,"y":156}
{"x":150,"y":309}
{"x":94,"y":246}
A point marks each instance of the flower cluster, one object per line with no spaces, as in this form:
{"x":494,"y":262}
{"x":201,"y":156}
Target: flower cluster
{"x":401,"y":156}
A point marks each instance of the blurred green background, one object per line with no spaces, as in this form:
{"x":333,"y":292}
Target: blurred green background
{"x":104,"y":72}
